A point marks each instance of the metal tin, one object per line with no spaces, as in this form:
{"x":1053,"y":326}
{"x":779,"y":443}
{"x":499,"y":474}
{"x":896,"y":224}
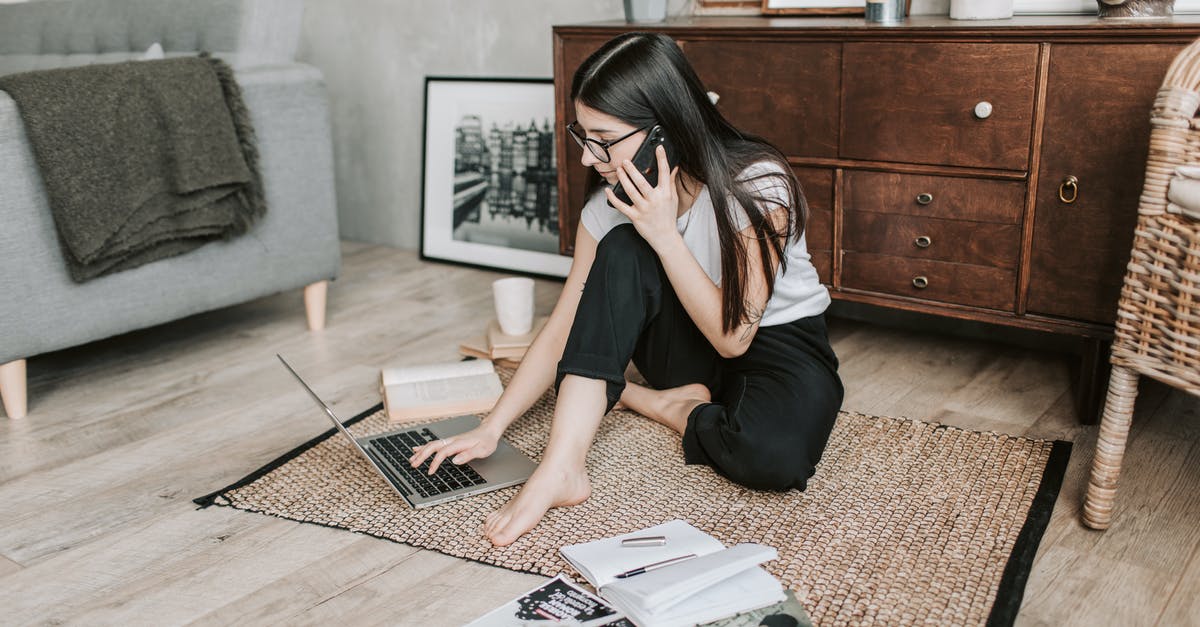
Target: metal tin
{"x":885,"y":11}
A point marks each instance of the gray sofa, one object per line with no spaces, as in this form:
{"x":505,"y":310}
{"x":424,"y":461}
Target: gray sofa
{"x":295,"y":245}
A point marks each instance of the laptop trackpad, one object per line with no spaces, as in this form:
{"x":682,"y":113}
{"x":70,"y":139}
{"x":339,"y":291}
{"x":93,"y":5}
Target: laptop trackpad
{"x":507,"y":464}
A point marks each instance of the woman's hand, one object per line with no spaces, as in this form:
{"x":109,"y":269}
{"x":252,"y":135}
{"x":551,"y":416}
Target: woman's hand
{"x":654,"y":210}
{"x":474,"y":444}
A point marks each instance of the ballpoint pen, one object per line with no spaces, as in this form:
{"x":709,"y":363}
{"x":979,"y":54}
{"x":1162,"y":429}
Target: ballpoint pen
{"x":656,"y":565}
{"x":645,"y":541}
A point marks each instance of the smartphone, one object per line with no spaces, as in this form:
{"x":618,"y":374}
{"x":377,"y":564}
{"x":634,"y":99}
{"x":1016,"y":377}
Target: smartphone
{"x":646,"y":160}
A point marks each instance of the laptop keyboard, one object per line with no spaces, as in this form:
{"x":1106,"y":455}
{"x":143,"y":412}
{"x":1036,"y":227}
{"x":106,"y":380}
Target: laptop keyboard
{"x":398,"y":447}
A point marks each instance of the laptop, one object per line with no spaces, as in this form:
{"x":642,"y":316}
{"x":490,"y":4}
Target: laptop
{"x":388,"y":454}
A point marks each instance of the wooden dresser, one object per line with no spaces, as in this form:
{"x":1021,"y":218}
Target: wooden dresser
{"x":980,"y":170}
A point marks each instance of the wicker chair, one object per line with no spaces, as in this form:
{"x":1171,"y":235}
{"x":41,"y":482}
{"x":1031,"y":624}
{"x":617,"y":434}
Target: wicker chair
{"x":1158,"y":315}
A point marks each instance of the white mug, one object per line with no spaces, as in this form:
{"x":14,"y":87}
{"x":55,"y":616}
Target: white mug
{"x":514,"y":304}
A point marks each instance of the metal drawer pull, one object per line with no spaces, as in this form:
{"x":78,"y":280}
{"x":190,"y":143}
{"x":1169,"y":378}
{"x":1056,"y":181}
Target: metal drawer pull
{"x":1070,"y":185}
{"x":924,"y":198}
{"x":983,"y":110}
{"x":920,"y":282}
{"x":923,"y":241}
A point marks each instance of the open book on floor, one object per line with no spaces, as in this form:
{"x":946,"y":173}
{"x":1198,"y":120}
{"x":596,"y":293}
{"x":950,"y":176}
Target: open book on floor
{"x":440,"y":390}
{"x":709,"y":583}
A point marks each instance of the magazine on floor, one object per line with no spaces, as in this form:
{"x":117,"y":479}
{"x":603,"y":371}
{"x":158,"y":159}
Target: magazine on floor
{"x":557,"y":601}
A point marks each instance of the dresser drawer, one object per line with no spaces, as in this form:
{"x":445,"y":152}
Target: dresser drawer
{"x":917,"y":103}
{"x":949,"y":197}
{"x":979,"y":243}
{"x":786,"y":92}
{"x":958,"y":283}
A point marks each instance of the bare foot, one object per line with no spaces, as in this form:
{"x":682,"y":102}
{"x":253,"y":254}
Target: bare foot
{"x":548,"y":487}
{"x":669,"y":407}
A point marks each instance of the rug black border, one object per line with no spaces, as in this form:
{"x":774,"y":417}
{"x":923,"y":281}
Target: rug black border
{"x":1020,"y":561}
{"x":1012,"y":583}
{"x":210,"y":499}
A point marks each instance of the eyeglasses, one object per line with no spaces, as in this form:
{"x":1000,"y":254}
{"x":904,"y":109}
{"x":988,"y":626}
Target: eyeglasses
{"x":598,"y":148}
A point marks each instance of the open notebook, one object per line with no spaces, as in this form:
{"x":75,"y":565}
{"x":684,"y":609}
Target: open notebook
{"x":718,"y":582}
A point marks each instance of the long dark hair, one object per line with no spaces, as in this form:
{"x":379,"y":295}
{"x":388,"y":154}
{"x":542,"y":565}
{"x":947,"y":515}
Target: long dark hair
{"x":644,"y":79}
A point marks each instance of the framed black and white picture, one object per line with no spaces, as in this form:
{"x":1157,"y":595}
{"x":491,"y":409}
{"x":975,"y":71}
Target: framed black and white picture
{"x":490,"y":190}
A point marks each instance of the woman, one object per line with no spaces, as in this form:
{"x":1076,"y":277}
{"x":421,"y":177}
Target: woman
{"x":702,"y":280}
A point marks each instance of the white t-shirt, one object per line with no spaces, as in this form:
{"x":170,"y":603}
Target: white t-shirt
{"x":798,"y":292}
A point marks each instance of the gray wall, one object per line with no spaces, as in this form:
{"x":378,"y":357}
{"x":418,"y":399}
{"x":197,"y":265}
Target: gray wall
{"x":375,"y":55}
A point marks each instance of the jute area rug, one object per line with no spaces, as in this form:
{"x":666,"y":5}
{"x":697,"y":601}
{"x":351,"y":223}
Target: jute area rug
{"x":904,"y":522}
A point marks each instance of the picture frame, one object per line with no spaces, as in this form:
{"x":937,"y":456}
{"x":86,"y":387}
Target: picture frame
{"x":813,"y":7}
{"x":489,"y":185}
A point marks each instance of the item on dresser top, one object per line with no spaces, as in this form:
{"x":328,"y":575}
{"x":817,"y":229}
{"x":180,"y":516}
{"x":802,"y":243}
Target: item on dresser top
{"x":717,"y":583}
{"x":554,"y":601}
{"x":141,"y":160}
{"x":438,"y":390}
{"x":501,"y":345}
{"x":981,"y":9}
{"x":885,"y":11}
{"x":389,"y":452}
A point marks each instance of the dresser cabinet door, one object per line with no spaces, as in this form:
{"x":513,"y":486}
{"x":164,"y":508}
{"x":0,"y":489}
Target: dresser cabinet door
{"x":1097,"y":130}
{"x":952,"y":104}
{"x":785,"y":92}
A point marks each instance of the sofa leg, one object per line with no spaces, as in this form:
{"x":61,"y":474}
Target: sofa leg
{"x":314,"y":304}
{"x":12,"y":388}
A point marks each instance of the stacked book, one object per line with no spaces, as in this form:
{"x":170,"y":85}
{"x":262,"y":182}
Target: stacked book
{"x":684,"y":577}
{"x":505,"y":350}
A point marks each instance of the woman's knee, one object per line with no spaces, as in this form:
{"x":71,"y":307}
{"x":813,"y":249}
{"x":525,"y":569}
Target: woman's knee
{"x":622,"y":245}
{"x":771,"y":460}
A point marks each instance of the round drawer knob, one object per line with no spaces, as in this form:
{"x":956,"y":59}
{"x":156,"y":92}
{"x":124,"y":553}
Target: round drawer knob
{"x":713,"y":97}
{"x":920,"y":282}
{"x":923,"y":241}
{"x":924,"y":198}
{"x":983,"y":110}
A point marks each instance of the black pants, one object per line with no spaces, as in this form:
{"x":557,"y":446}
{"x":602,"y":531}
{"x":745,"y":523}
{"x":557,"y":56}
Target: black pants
{"x":773,"y":407}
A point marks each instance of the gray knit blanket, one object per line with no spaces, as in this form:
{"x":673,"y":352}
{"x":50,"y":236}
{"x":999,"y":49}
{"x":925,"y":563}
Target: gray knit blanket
{"x":141,"y":160}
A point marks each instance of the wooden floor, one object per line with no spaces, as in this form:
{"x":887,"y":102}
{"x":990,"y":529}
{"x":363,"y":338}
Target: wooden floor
{"x":97,"y":524}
